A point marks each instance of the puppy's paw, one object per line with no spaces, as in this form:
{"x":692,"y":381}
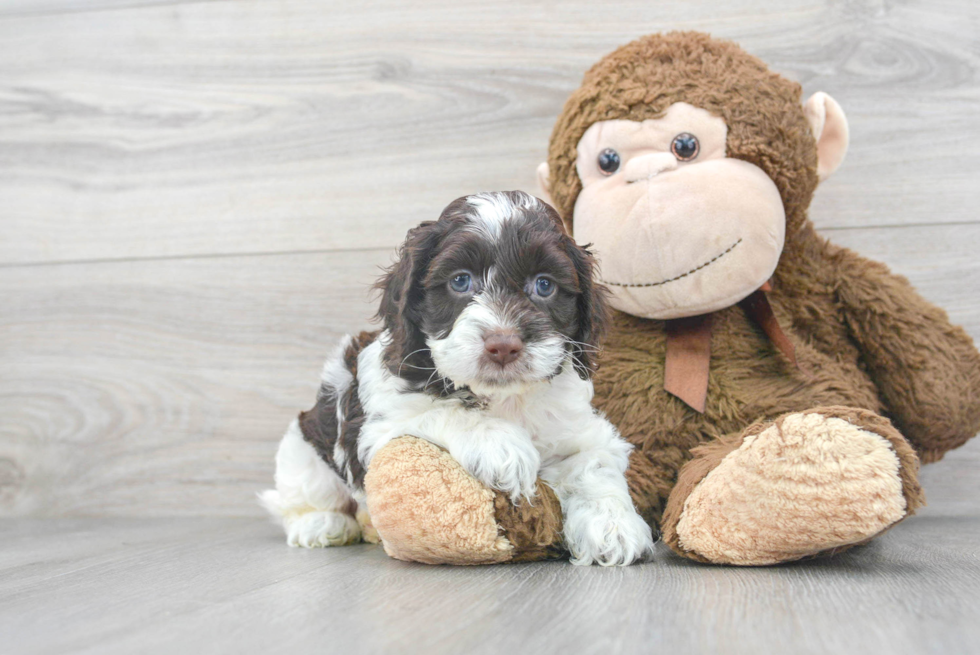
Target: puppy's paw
{"x":607,"y":531}
{"x":502,"y":457}
{"x":321,"y":529}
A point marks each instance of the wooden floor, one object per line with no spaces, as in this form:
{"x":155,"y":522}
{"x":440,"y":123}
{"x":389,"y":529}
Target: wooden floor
{"x":232,"y":586}
{"x":195,"y":196}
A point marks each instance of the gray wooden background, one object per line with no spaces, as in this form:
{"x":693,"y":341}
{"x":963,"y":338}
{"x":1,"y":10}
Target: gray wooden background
{"x":195,"y":197}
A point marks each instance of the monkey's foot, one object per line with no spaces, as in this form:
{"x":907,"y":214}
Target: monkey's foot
{"x":426,"y":508}
{"x":368,"y":533}
{"x":807,"y":484}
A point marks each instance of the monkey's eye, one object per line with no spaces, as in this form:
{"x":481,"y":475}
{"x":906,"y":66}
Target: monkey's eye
{"x":461,"y":283}
{"x":608,"y":161}
{"x":544,"y":286}
{"x":685,"y":146}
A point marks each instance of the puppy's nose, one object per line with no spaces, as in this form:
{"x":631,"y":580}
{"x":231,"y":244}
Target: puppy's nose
{"x":503,"y":348}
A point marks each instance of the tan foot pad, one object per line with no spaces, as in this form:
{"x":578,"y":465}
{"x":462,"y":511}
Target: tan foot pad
{"x":426,"y":508}
{"x":804,"y":484}
{"x":368,"y":533}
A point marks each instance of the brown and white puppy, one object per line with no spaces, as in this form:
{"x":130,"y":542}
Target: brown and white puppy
{"x":491,"y":325}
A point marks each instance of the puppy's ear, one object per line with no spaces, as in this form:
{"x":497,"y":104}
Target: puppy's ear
{"x":401,"y":300}
{"x":593,"y":310}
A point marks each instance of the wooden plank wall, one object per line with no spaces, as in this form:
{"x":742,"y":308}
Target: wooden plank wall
{"x":195,"y":196}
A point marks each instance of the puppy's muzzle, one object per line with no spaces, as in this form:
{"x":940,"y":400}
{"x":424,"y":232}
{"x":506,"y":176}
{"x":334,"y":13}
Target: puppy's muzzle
{"x":502,"y":348}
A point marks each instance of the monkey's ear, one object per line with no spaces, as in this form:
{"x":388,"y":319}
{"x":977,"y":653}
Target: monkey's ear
{"x":544,"y":182}
{"x":829,"y":127}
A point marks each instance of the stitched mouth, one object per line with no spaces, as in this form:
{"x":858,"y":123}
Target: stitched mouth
{"x":678,"y":277}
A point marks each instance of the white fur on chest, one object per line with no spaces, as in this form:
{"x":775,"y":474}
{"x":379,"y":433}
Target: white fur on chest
{"x":553,"y":412}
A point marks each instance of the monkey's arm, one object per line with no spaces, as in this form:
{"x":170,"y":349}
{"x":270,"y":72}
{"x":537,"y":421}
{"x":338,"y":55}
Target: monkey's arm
{"x":926,"y":369}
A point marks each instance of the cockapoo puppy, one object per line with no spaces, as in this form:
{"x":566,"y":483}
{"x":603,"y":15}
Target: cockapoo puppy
{"x":491,"y":323}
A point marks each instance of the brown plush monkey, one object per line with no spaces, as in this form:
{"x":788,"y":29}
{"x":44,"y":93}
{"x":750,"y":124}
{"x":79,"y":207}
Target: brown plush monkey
{"x":780,"y":391}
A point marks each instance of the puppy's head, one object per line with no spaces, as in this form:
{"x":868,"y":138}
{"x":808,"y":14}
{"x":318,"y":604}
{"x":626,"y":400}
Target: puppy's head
{"x":493,"y":296}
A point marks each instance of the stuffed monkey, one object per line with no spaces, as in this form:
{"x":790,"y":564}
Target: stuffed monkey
{"x":780,"y":391}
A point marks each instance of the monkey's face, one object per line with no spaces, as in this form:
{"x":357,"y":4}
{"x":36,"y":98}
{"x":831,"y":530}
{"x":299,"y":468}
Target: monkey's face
{"x":679,"y":228}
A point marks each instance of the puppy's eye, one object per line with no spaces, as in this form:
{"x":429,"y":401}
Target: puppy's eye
{"x":544,"y":286}
{"x":461,"y":283}
{"x":685,"y":146}
{"x":608,"y":161}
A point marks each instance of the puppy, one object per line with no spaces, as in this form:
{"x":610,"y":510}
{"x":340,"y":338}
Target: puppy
{"x":491,"y":323}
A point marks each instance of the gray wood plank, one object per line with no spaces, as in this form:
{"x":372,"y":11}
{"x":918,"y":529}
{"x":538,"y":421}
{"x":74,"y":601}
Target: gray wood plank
{"x":13,"y":9}
{"x":238,"y":127}
{"x":161,"y":387}
{"x":227,"y":585}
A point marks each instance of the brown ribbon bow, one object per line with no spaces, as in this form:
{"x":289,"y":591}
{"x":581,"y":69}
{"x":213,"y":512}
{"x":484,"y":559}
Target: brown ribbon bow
{"x":689,"y":348}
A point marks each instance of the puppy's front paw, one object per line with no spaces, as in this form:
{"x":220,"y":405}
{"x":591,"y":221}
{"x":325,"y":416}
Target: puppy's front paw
{"x":607,"y":531}
{"x":502,"y":457}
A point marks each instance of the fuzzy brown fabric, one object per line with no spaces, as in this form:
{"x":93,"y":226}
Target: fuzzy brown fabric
{"x":533,"y":530}
{"x":642,"y":79}
{"x":865,"y":340}
{"x":426,"y":508}
{"x":865,"y":337}
{"x":841,"y":313}
{"x":708,"y":456}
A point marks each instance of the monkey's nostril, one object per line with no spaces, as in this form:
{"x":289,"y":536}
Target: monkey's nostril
{"x":503,"y":349}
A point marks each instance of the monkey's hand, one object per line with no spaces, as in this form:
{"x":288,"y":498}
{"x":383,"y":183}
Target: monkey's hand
{"x":927,"y":370}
